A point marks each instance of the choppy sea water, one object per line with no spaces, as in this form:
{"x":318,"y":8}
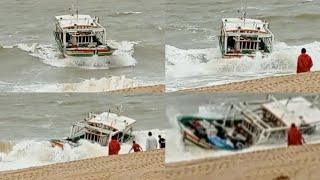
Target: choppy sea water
{"x":30,"y":57}
{"x":193,"y":58}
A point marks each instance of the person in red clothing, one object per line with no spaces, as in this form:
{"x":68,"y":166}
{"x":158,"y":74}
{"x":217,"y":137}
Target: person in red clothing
{"x":114,"y":146}
{"x":294,"y":136}
{"x":304,"y":63}
{"x":136,"y":147}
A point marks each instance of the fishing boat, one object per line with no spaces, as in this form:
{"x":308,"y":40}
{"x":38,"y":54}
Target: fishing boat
{"x":245,"y":37}
{"x":98,"y":128}
{"x":81,"y":36}
{"x":250,"y":123}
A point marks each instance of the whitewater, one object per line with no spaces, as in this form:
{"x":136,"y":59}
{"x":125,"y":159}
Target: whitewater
{"x":205,"y":67}
{"x":29,"y":153}
{"x":89,"y":85}
{"x":50,"y":55}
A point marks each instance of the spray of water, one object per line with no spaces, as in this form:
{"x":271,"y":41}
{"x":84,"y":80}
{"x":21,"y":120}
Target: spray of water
{"x":27,"y":153}
{"x":50,"y":55}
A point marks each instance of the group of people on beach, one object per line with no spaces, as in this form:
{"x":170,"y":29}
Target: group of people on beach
{"x":151,"y":144}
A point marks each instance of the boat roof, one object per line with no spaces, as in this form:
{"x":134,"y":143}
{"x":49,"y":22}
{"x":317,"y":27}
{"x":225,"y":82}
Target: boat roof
{"x":82,"y":20}
{"x":112,"y":120}
{"x":232,"y":24}
{"x":292,"y":112}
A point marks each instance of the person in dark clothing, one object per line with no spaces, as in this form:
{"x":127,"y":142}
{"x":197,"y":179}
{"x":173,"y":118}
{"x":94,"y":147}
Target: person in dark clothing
{"x":237,"y":142}
{"x":200,"y":131}
{"x":162,"y":142}
{"x":221,"y":133}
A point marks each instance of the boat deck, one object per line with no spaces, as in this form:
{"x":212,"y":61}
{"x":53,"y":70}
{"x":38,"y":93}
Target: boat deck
{"x":232,"y":24}
{"x":112,"y":120}
{"x":67,"y":21}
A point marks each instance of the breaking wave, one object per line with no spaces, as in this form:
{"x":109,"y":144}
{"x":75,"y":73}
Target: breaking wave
{"x":28,"y":153}
{"x":190,"y":28}
{"x":91,"y":85}
{"x":128,"y":12}
{"x":189,"y":64}
{"x":50,"y":55}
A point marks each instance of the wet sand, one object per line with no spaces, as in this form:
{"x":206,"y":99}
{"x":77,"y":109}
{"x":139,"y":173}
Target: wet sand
{"x":305,"y":82}
{"x":144,"y":89}
{"x":294,"y":163}
{"x":143,"y":165}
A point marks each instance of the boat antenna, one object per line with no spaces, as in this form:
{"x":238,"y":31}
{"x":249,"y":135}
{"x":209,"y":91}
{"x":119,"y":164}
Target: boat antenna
{"x":119,"y":108}
{"x":108,"y":114}
{"x":245,"y":11}
{"x":77,"y":11}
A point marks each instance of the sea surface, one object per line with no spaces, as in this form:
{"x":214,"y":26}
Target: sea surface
{"x":29,"y":120}
{"x":30,"y":60}
{"x":193,"y":58}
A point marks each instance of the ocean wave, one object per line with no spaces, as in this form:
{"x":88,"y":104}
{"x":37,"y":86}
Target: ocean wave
{"x":50,"y":55}
{"x":306,"y":1}
{"x":129,"y":12}
{"x":28,"y":153}
{"x":124,"y":13}
{"x":90,"y":85}
{"x":190,"y":64}
{"x":193,"y":29}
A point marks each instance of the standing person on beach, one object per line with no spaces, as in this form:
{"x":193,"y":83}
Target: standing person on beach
{"x":304,"y":63}
{"x":114,"y":146}
{"x":294,"y":136}
{"x":162,"y":142}
{"x":151,"y":143}
{"x":136,"y":147}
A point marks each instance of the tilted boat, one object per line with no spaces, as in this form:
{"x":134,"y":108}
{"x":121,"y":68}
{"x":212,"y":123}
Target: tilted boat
{"x":250,"y":123}
{"x":99,"y":128}
{"x":81,"y":36}
{"x":245,"y":37}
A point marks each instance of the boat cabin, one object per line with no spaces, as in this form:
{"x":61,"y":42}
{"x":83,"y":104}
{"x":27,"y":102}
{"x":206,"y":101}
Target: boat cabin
{"x":245,"y":37}
{"x":100,"y":128}
{"x":273,"y":118}
{"x":81,"y":35}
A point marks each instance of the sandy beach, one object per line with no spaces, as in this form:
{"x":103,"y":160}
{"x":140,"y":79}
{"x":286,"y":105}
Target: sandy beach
{"x":144,"y":89}
{"x":143,"y":165}
{"x":294,"y":163}
{"x":305,"y":82}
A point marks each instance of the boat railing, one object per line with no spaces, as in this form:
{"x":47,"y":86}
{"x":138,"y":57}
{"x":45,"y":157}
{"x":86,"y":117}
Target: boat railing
{"x":58,"y":40}
{"x":252,"y":116}
{"x":99,"y":129}
{"x":100,"y":138}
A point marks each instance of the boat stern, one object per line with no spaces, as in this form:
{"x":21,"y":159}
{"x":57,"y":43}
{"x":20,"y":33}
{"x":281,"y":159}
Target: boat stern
{"x":56,"y":143}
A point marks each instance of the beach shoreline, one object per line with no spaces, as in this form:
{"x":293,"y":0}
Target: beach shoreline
{"x":159,"y":88}
{"x":304,"y":82}
{"x":142,"y":165}
{"x":297,"y":162}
